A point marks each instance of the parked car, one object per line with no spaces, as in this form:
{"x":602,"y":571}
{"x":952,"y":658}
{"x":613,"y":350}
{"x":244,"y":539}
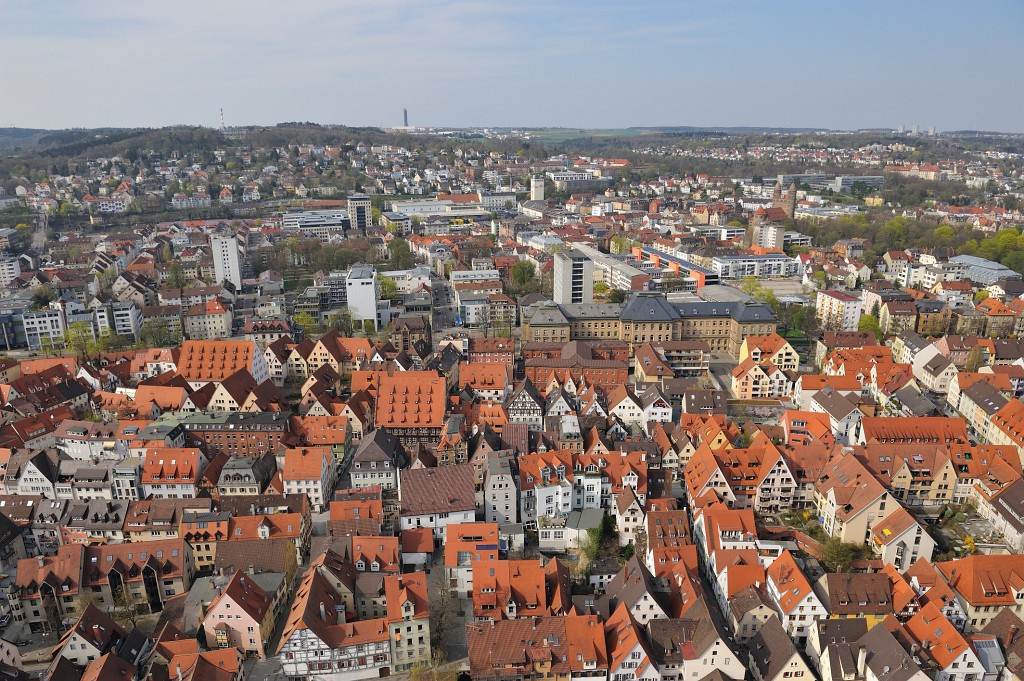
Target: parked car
{"x":4,"y":621}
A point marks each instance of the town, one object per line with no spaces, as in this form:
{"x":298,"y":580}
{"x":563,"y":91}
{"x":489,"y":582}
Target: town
{"x":325,"y":403}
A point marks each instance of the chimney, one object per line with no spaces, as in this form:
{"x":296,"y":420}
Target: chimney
{"x":179,"y":671}
{"x":1011,"y":635}
{"x":323,"y":612}
{"x":42,"y":561}
{"x":252,"y":570}
{"x":862,"y":660}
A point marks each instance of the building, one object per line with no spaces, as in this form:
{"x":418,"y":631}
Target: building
{"x":208,"y":321}
{"x":243,"y":613}
{"x":359,"y":217}
{"x":363,"y":295}
{"x":227,"y":260}
{"x":45,"y":589}
{"x":573,"y":277}
{"x":838,"y":311}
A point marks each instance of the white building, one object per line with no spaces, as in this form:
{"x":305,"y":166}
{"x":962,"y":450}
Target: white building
{"x":363,"y":294}
{"x":227,"y":260}
{"x":839,"y":311}
{"x":10,"y":268}
{"x":574,"y":277}
{"x":127,"y":320}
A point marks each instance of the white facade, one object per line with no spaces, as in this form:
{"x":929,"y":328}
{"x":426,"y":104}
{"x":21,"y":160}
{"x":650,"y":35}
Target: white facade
{"x":573,"y":277}
{"x":227,"y":260}
{"x":838,"y":311}
{"x":127,"y":320}
{"x":363,"y":294}
{"x":10,"y":268}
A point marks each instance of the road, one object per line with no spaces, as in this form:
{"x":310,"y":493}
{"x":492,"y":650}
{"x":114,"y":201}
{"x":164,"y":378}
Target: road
{"x":39,"y":235}
{"x":444,"y":303}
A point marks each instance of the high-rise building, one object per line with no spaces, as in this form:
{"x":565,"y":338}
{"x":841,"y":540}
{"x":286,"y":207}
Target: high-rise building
{"x":362,"y":293}
{"x":227,"y":260}
{"x":359,"y":212}
{"x":574,"y":277}
{"x":537,"y":188}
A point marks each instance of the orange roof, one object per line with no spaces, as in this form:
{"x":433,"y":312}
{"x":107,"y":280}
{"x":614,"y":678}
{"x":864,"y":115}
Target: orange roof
{"x":171,"y":466}
{"x":305,"y":463}
{"x":470,"y":538}
{"x":483,"y":375}
{"x":375,"y":549}
{"x":411,"y":399}
{"x":790,"y":582}
{"x":936,"y":636}
{"x":215,"y":360}
{"x":986,"y":580}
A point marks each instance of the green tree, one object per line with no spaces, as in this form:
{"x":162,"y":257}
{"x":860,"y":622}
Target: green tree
{"x":400,"y":255}
{"x":308,"y":324}
{"x":388,"y":287}
{"x":176,"y":276}
{"x":975,"y":359}
{"x":981,"y":295}
{"x":157,"y":334}
{"x":79,"y":339}
{"x":369,"y":328}
{"x":167,"y":254}
{"x":522,"y":273}
{"x":820,"y":279}
{"x":838,"y":556}
{"x":44,"y":295}
{"x":751,"y":286}
{"x":342,"y":322}
{"x":869,"y":324}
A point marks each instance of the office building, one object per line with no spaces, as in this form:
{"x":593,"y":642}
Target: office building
{"x":227,"y":260}
{"x":574,"y":278}
{"x":359,"y":212}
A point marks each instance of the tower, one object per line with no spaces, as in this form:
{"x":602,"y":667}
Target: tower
{"x":573,"y":277}
{"x":359,"y":212}
{"x":537,"y":188}
{"x":405,"y":117}
{"x":227,"y":260}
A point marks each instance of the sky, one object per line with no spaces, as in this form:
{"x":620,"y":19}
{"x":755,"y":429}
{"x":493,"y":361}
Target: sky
{"x":531,"y":63}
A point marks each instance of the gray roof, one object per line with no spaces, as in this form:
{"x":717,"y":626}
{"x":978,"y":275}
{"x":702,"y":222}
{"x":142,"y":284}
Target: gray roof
{"x":771,"y":649}
{"x":828,"y":631}
{"x":986,"y":396}
{"x":647,"y":307}
{"x":836,"y":404}
{"x":887,"y":659}
{"x":544,"y":314}
{"x":380,"y":445}
{"x":915,"y":402}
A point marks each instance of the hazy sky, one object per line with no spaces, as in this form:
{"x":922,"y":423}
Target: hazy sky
{"x":813,"y":63}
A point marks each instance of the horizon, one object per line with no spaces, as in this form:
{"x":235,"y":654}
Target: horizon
{"x":535,"y":65}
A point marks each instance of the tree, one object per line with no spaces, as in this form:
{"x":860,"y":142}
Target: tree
{"x":981,"y":295}
{"x":167,"y":254}
{"x":44,"y":295}
{"x":127,"y":608}
{"x":869,"y":324}
{"x":157,"y":334}
{"x":820,"y":279}
{"x":435,"y":668}
{"x":400,"y":255}
{"x":342,"y":322}
{"x":388,"y":287}
{"x":751,"y":286}
{"x":975,"y":359}
{"x":307,"y":323}
{"x":838,"y":556}
{"x":522,"y":273}
{"x":616,"y":296}
{"x":369,"y":327}
{"x":176,"y":275}
{"x":79,"y":339}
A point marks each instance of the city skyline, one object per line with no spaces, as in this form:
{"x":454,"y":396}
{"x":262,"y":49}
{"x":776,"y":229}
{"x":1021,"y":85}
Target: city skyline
{"x":466,"y":64}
